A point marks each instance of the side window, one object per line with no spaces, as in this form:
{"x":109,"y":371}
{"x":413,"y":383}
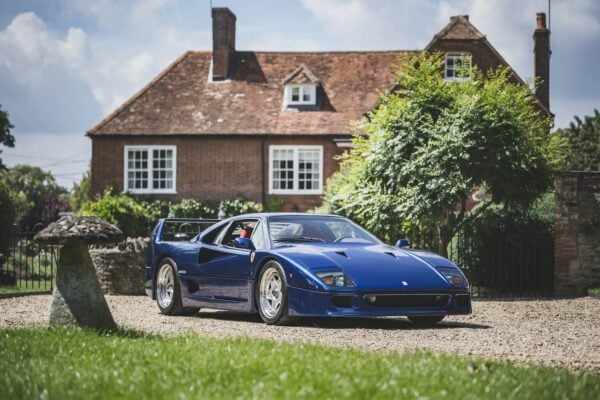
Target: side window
{"x":258,"y":237}
{"x":243,"y":229}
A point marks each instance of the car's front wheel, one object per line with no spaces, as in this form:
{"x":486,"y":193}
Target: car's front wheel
{"x":272,"y":295}
{"x":426,"y":319}
{"x":168,"y":291}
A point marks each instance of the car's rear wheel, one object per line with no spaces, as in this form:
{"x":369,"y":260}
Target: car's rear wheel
{"x":426,"y":319}
{"x":168,"y":291}
{"x":272,"y":295}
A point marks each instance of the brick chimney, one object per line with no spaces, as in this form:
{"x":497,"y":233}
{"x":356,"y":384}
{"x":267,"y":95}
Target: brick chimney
{"x":541,"y":50}
{"x":223,"y":25}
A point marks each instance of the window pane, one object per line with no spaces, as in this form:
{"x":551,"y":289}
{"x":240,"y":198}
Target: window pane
{"x":306,"y":94}
{"x":282,"y":174}
{"x":163,"y":169}
{"x":308,"y":169}
{"x":296,"y":94}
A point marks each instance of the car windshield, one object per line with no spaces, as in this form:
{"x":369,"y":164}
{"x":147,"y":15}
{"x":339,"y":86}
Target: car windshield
{"x":317,"y":228}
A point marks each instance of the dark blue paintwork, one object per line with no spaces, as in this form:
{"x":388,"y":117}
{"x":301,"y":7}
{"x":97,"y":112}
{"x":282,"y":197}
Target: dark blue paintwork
{"x":228,"y":280}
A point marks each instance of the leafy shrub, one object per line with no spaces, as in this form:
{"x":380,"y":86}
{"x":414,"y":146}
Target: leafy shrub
{"x":239,"y":206}
{"x":8,"y":215}
{"x":157,"y":208}
{"x":121,"y":210}
{"x":190,"y":208}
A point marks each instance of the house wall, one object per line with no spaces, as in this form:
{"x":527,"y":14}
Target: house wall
{"x":212,"y":169}
{"x":482,"y":56}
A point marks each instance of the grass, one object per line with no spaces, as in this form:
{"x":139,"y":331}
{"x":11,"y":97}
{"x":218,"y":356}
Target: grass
{"x":28,"y":286}
{"x":77,"y":364}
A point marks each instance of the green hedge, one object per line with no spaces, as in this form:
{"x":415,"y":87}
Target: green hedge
{"x":135,"y":217}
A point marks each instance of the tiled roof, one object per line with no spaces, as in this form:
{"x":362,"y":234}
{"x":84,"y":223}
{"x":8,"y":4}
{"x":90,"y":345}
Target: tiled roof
{"x":182,"y":100}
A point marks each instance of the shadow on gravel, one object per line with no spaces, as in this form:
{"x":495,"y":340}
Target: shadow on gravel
{"x":342,"y":322}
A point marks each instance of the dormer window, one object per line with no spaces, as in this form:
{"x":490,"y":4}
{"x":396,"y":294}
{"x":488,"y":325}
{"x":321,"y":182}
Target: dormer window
{"x":305,"y":94}
{"x":300,"y":90}
{"x":457,"y":66}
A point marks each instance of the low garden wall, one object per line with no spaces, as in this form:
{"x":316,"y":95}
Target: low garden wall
{"x":577,"y":232}
{"x":120,"y":268}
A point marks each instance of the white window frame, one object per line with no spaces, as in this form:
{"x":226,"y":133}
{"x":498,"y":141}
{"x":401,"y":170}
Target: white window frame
{"x":296,"y":149}
{"x":310,"y":87}
{"x":456,"y":56}
{"x":150,"y":149}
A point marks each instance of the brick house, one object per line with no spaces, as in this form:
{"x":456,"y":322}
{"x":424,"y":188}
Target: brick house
{"x":226,"y":123}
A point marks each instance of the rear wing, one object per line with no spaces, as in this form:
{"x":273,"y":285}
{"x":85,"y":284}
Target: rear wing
{"x":180,"y":229}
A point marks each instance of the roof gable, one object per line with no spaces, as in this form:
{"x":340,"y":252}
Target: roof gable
{"x":301,"y":75}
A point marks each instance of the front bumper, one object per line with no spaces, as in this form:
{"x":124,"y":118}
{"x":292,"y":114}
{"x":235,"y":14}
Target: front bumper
{"x":303,"y":302}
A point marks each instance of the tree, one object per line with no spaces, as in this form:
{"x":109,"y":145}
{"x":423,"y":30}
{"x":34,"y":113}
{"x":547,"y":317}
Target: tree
{"x":430,"y":144}
{"x":6,"y":138}
{"x":577,"y":148}
{"x":39,"y":197}
{"x":81,"y":192}
{"x":7,"y":216}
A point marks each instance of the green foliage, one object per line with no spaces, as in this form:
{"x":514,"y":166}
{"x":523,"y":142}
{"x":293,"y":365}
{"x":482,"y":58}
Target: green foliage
{"x":75,"y":364}
{"x":156,"y":208}
{"x":239,"y":206}
{"x":6,"y":138}
{"x":431,"y":143}
{"x":39,"y":197}
{"x":577,"y":148}
{"x":81,"y":192}
{"x":123,"y":211}
{"x":190,"y":208}
{"x":8,"y":215}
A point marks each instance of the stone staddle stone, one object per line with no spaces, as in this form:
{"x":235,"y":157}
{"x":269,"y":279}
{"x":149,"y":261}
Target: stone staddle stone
{"x":77,"y":297}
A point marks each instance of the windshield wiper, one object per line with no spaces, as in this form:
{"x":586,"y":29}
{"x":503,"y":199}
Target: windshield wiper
{"x":298,"y":239}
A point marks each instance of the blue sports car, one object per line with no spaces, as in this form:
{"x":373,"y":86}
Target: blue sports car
{"x":285,"y":266}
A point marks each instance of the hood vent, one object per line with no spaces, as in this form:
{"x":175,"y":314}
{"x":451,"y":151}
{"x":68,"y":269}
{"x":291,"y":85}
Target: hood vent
{"x":342,"y":253}
{"x":389,"y":253}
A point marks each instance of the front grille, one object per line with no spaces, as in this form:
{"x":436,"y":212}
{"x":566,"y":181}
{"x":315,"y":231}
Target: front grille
{"x":342,"y":301}
{"x":407,"y":300}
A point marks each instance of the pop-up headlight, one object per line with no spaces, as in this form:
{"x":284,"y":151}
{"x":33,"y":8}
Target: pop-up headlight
{"x":454,"y":276}
{"x":335,"y":278}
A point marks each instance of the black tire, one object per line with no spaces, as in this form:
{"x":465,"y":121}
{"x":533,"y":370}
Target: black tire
{"x":170,"y":304}
{"x":273,"y":315}
{"x":426,"y":319}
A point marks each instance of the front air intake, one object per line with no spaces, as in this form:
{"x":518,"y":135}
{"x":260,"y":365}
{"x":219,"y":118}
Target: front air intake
{"x":406,"y":300}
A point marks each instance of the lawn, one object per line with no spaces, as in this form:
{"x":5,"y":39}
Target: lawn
{"x":76,"y":364}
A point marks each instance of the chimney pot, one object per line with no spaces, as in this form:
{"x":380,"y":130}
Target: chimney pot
{"x":541,"y":20}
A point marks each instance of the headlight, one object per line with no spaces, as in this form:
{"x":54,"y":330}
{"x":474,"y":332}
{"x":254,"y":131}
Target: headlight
{"x":335,"y":278}
{"x":454,"y":276}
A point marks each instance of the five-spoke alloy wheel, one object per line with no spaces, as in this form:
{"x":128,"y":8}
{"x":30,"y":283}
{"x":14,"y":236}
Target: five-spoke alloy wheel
{"x":168,"y":292}
{"x":272,"y":295}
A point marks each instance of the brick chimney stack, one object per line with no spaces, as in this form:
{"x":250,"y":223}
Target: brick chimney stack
{"x":223,"y":25}
{"x":541,"y":50}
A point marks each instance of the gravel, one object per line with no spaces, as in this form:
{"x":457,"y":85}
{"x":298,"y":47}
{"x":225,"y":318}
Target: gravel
{"x":558,"y":332}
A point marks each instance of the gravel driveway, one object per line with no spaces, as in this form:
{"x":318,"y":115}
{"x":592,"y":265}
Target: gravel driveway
{"x":562,"y":332}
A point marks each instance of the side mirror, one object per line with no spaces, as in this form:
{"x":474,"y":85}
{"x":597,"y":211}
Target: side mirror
{"x":243,"y":243}
{"x":402,"y":243}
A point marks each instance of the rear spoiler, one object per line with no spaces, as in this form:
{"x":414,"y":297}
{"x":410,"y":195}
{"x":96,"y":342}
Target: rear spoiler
{"x":182,"y":228}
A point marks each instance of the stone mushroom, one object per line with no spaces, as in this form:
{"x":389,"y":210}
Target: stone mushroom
{"x":77,"y":297}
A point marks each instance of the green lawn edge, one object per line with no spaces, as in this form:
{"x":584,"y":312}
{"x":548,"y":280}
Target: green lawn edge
{"x":70,"y":363}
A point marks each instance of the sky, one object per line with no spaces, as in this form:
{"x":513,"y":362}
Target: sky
{"x":66,"y":64}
